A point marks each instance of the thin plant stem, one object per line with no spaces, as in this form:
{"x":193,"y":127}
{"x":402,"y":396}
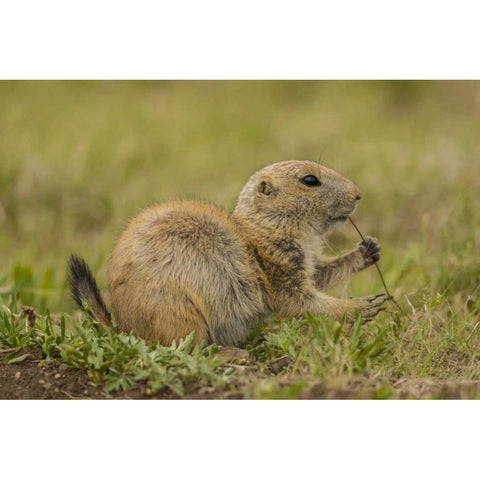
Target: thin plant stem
{"x":390,"y":296}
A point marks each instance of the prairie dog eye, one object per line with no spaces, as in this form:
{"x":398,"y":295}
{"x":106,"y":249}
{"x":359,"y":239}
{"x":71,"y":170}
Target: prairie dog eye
{"x":311,"y":181}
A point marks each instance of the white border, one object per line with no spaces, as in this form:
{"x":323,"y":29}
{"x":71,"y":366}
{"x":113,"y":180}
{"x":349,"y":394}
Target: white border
{"x":252,"y":39}
{"x":239,"y":439}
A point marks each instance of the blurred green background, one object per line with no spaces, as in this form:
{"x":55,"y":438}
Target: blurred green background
{"x":78,"y":159}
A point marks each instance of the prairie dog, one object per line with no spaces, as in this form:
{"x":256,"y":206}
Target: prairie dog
{"x":184,"y":266}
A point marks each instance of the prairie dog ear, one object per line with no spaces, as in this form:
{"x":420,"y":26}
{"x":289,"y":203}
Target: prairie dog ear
{"x":265,"y":187}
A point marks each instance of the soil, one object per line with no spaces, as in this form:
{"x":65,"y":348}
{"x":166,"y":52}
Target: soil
{"x":36,"y":378}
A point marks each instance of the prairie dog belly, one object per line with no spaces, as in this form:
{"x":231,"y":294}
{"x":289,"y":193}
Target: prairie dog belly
{"x":180,"y":267}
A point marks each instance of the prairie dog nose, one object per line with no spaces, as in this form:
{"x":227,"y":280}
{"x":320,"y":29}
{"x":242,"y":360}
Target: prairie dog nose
{"x":358,"y":196}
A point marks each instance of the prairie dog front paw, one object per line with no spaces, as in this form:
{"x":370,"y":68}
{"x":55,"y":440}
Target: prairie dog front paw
{"x":370,"y":251}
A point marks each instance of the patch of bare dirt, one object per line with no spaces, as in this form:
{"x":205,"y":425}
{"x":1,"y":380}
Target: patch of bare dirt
{"x":36,"y":378}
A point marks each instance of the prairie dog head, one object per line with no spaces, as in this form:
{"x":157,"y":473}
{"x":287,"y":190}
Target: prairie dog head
{"x":298,"y":195}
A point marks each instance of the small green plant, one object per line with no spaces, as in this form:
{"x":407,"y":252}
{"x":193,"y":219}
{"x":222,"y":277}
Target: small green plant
{"x":120,"y":360}
{"x":320,"y":347}
{"x":123,"y":359}
{"x":14,"y":332}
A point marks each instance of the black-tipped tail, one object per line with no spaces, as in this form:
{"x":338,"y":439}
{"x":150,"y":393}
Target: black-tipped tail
{"x":85,"y":290}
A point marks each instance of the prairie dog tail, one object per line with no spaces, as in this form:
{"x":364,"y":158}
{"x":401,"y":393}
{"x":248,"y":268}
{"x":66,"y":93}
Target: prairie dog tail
{"x":85,"y":290}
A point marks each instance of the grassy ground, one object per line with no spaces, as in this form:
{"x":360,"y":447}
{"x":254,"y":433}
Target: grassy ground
{"x":78,"y":159}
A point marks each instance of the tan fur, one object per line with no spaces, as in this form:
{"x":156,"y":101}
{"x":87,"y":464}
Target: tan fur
{"x":186,"y":266}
